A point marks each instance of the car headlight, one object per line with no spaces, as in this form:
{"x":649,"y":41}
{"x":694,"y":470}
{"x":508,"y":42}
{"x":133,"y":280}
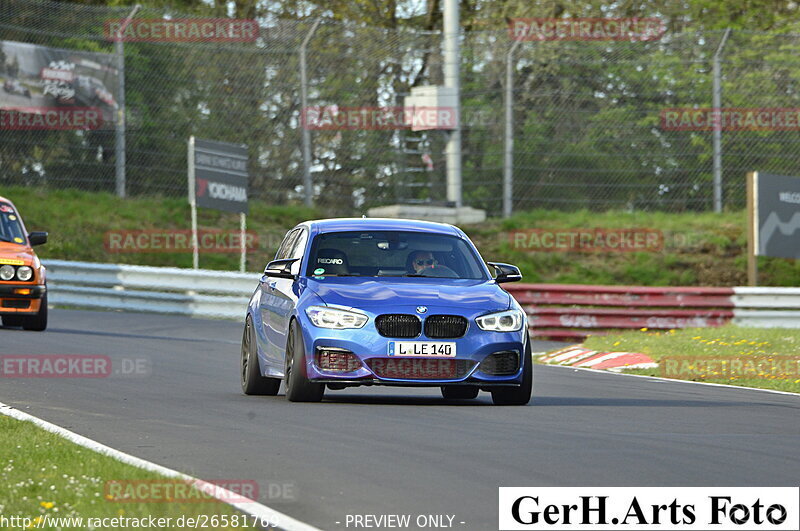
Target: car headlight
{"x":325,"y":317}
{"x":24,"y":273}
{"x":506,"y":321}
{"x":6,"y":272}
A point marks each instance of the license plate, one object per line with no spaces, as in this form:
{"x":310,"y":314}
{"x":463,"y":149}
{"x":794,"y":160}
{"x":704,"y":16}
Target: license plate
{"x":414,"y":369}
{"x":427,"y":349}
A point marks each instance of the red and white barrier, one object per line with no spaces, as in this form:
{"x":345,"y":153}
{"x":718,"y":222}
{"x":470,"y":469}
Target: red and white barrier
{"x":569,"y":311}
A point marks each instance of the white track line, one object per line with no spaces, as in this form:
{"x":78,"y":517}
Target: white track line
{"x":634,"y":366}
{"x":673,"y":380}
{"x":251,"y":507}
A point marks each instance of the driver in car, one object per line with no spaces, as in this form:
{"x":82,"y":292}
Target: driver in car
{"x":422,"y":260}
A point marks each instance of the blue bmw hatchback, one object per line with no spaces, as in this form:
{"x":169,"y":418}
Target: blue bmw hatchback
{"x":350,"y":302}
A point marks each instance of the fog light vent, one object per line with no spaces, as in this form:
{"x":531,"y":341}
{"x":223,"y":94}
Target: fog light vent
{"x":337,"y":360}
{"x":17,"y":303}
{"x":503,"y":363}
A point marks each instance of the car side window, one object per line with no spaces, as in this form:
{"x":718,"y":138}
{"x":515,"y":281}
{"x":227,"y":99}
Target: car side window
{"x":299,"y":245}
{"x":287,"y":245}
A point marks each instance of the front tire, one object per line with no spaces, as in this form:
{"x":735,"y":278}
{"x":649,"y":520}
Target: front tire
{"x":252,"y":381}
{"x":12,"y":320}
{"x":460,"y":392}
{"x":298,"y":388}
{"x":517,"y":396}
{"x":38,"y":322}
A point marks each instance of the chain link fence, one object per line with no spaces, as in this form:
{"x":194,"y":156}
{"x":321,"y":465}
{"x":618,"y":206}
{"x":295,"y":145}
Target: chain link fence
{"x":588,"y":117}
{"x":589,"y":127}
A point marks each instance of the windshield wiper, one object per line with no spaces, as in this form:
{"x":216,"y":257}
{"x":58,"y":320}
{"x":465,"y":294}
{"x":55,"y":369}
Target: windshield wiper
{"x":342,"y":275}
{"x":414,"y":275}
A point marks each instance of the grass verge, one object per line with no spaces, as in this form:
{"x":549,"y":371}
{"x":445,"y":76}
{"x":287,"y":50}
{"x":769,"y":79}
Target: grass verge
{"x":45,"y":477}
{"x":767,"y":358}
{"x":79,"y":224}
{"x":699,"y":249}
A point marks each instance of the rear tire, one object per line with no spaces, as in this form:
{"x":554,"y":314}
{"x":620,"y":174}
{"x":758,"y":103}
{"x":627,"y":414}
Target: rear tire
{"x":252,"y":381}
{"x":517,"y":396}
{"x":38,"y":322}
{"x":460,"y":392}
{"x":298,"y":388}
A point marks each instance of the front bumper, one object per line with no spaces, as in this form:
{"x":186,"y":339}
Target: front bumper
{"x":368,"y":345}
{"x":14,"y":301}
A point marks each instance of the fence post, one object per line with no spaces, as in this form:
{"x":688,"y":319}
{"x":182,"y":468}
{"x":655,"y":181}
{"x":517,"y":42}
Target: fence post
{"x":508,"y":163}
{"x":717,"y":113}
{"x":119,"y":148}
{"x":308,"y":185}
{"x":452,"y":70}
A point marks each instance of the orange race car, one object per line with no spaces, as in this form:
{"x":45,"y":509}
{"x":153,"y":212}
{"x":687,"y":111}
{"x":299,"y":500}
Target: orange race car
{"x":23,"y":290}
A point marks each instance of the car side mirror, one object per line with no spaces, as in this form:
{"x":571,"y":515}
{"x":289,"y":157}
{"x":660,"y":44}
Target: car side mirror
{"x":281,"y":268}
{"x":37,"y":238}
{"x":506,"y":272}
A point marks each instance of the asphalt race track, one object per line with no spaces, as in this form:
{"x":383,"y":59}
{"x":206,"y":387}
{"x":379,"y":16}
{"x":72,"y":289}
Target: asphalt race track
{"x":393,"y":450}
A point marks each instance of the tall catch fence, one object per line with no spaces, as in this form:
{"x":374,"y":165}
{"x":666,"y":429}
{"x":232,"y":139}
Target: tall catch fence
{"x":589,"y":123}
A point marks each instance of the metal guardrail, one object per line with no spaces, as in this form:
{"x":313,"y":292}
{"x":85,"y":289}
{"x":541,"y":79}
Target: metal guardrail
{"x":554,"y":310}
{"x":766,"y":307}
{"x":172,"y":290}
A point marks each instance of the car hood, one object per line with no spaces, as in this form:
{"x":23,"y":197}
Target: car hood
{"x":15,"y":251}
{"x":370,"y":292}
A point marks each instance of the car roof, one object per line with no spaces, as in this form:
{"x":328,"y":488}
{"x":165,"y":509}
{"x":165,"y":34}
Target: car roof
{"x":390,"y":224}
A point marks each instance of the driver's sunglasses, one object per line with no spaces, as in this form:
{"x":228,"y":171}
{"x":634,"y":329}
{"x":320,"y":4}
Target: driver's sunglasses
{"x":426,"y":262}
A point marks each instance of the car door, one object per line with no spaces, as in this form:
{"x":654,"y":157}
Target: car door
{"x":282,"y":298}
{"x":286,"y":292}
{"x":269,"y":309}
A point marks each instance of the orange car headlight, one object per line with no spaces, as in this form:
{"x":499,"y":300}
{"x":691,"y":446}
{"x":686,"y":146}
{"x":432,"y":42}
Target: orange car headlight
{"x":6,"y":272}
{"x":24,"y":273}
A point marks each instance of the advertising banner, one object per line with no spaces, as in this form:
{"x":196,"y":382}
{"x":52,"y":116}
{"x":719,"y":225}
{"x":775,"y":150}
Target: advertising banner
{"x":777,"y":205}
{"x":51,"y":88}
{"x":220,"y":175}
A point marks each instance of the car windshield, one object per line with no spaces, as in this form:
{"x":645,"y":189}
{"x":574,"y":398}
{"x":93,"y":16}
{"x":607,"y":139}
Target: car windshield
{"x":10,"y":227}
{"x":393,"y":254}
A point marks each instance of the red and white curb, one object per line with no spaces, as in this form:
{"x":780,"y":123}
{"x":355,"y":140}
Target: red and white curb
{"x":577,"y":356}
